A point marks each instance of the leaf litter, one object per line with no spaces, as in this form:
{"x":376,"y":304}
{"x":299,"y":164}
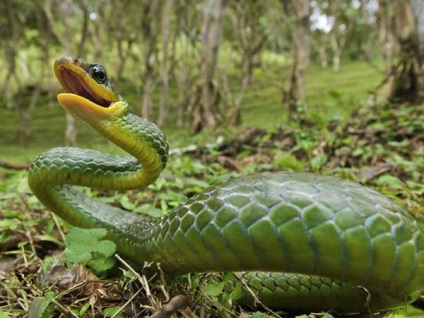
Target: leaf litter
{"x":381,"y":146}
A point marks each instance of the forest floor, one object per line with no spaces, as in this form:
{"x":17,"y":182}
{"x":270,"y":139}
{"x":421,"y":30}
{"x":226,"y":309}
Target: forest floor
{"x":381,"y":146}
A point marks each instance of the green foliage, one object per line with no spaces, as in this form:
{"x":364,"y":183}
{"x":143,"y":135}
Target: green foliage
{"x":88,"y":246}
{"x":286,"y":161}
{"x":112,"y":312}
{"x":213,"y":289}
{"x":390,"y":181}
{"x":407,"y":311}
{"x":217,"y":290}
{"x":3,"y":314}
{"x":42,"y":307}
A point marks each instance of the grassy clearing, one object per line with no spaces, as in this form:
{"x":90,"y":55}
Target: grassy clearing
{"x":330,"y":95}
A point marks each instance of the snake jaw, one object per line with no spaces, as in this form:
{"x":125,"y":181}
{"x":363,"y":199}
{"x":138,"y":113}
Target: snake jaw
{"x":89,"y":111}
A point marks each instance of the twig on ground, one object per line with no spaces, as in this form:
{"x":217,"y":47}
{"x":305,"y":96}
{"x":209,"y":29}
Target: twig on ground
{"x":142,"y":279}
{"x":127,"y":303}
{"x":14,"y":165}
{"x":56,"y":222}
{"x":176,"y":303}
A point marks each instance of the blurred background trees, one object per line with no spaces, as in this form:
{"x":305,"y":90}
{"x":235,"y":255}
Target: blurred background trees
{"x":178,"y":58}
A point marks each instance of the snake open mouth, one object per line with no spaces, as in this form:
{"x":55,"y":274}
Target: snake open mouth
{"x":75,"y":78}
{"x":75,"y":84}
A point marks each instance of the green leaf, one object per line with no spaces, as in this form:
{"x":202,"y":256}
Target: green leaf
{"x":84,"y":308}
{"x":76,"y":255}
{"x":155,"y":212}
{"x":87,"y":246}
{"x":84,"y":236}
{"x":163,"y":205}
{"x":317,"y":162}
{"x":40,"y":306}
{"x":109,"y":312}
{"x":126,"y":203}
{"x":50,"y":262}
{"x":101,"y":264}
{"x":237,"y":292}
{"x":288,"y":161}
{"x":4,"y":236}
{"x":48,"y":238}
{"x":107,"y":248}
{"x":213,"y":289}
{"x":358,"y":152}
{"x":407,"y":311}
{"x":390,"y":181}
{"x":8,"y":224}
{"x":225,"y":300}
{"x":3,"y":314}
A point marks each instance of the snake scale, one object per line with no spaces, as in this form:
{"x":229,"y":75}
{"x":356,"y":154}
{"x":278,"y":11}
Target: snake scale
{"x":303,"y":241}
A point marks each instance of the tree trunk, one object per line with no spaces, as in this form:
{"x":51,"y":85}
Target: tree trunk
{"x":187,"y":21}
{"x":122,"y":35}
{"x":149,"y":31}
{"x":407,"y":82}
{"x":323,"y":60}
{"x":335,"y":47}
{"x":149,"y":84}
{"x":84,"y":28}
{"x":30,"y":95}
{"x":301,"y":48}
{"x":99,"y":30}
{"x":12,"y":49}
{"x":23,"y":114}
{"x":385,"y":33}
{"x":23,"y":98}
{"x":71,"y":131}
{"x":418,"y":9}
{"x":165,"y":29}
{"x":64,"y":33}
{"x":245,"y":15}
{"x":211,"y":36}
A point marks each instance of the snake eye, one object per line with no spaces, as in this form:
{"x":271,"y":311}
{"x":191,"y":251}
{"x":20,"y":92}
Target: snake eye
{"x":99,"y":73}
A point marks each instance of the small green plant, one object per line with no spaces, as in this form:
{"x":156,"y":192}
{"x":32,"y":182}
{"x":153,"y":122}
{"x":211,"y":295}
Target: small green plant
{"x":287,"y":161}
{"x":88,"y":246}
{"x":42,"y":307}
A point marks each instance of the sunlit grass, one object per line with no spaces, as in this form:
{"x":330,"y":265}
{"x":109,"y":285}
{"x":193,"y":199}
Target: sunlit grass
{"x":330,"y":95}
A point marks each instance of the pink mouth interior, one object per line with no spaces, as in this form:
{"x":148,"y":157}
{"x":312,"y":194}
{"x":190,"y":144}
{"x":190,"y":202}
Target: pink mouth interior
{"x":74,"y":84}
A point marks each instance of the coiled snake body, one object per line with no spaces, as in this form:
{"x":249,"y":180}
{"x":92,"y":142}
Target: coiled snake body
{"x":348,"y":247}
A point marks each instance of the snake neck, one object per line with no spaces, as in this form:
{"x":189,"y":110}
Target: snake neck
{"x":141,"y":139}
{"x":88,"y":168}
{"x":54,"y":172}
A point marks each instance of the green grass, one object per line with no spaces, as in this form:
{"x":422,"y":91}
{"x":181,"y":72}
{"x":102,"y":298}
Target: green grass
{"x":262,"y":105}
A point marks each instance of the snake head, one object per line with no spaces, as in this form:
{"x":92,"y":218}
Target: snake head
{"x":89,"y":95}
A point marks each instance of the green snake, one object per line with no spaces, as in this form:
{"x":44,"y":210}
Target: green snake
{"x":304,"y":241}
